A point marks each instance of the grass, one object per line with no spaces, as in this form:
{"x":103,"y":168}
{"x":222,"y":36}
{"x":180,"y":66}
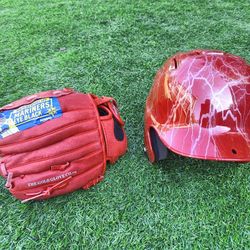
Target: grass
{"x":114,"y":48}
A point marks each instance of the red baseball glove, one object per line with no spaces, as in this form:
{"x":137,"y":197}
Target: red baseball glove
{"x":59,"y":141}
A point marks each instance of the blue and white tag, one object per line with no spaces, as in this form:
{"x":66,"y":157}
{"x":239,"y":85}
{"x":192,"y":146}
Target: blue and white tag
{"x":28,"y":116}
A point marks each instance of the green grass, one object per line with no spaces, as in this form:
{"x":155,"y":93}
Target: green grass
{"x":115,"y":48}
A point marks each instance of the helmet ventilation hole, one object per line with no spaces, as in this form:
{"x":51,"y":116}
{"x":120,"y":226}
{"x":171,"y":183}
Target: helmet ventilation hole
{"x":234,"y":151}
{"x":175,"y":64}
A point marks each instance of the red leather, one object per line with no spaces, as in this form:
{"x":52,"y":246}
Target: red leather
{"x":199,"y":106}
{"x":114,"y":148}
{"x":63,"y":154}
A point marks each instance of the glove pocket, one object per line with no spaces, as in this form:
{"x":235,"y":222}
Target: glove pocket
{"x":67,"y":150}
{"x":60,"y":179}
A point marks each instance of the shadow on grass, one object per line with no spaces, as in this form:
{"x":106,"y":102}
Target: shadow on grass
{"x":176,"y":167}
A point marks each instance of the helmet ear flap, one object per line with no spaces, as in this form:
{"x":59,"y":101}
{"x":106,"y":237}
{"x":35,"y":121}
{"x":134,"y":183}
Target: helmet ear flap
{"x":160,"y":150}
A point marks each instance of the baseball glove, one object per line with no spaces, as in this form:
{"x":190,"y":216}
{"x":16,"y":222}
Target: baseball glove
{"x":58,"y":141}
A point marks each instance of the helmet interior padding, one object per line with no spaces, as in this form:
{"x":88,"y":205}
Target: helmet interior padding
{"x":160,"y":150}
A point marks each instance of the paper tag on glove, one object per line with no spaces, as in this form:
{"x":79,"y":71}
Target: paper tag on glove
{"x":28,"y":116}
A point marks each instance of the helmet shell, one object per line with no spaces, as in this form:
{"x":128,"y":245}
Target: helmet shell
{"x":199,"y":106}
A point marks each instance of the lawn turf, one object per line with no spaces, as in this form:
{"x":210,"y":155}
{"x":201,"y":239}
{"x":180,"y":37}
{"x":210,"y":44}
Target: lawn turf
{"x":114,"y":48}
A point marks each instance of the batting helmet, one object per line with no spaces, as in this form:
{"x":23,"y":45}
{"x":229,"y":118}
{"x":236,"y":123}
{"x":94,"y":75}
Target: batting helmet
{"x":199,"y":106}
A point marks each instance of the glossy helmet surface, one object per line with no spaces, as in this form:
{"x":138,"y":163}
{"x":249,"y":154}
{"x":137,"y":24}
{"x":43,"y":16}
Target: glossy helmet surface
{"x":199,"y":106}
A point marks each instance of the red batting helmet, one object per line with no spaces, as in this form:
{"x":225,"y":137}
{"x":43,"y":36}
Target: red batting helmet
{"x":199,"y":106}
